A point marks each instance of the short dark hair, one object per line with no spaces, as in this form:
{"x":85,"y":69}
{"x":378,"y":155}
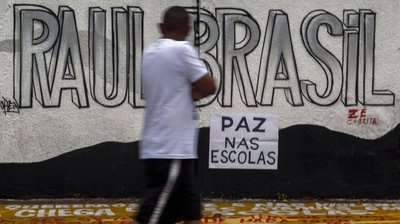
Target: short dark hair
{"x":175,"y":18}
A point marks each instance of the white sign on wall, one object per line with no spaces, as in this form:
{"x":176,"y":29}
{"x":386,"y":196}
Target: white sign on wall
{"x":243,"y":141}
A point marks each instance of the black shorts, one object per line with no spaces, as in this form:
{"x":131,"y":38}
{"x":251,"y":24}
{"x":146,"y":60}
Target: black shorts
{"x":171,"y":192}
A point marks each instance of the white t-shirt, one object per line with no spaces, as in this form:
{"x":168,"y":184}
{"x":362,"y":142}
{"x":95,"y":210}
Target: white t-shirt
{"x":169,"y":68}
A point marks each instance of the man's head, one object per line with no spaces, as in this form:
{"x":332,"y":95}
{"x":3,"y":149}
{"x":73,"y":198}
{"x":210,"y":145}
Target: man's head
{"x":175,"y":23}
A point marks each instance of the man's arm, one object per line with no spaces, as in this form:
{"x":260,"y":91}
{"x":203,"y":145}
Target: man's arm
{"x":203,"y":87}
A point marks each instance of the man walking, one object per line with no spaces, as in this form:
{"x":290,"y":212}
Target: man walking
{"x":173,"y":78}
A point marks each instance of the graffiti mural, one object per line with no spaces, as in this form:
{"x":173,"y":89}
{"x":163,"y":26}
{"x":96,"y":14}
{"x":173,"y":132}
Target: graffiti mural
{"x":350,"y":79}
{"x":262,"y":61}
{"x":65,"y":70}
{"x":91,"y":57}
{"x":70,"y":76}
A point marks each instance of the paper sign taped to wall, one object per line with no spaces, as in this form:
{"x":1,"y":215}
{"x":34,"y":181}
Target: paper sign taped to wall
{"x":243,"y":141}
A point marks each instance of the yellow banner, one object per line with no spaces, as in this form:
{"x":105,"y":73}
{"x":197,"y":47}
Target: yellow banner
{"x":213,"y":212}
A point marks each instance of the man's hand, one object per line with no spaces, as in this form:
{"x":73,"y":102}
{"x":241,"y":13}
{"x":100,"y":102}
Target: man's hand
{"x":203,"y":87}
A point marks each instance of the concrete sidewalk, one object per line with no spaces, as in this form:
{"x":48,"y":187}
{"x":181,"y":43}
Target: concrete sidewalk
{"x":215,"y":211}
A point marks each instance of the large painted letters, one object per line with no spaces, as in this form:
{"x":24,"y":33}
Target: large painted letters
{"x":49,"y":63}
{"x":32,"y":73}
{"x":328,"y":62}
{"x":278,"y":68}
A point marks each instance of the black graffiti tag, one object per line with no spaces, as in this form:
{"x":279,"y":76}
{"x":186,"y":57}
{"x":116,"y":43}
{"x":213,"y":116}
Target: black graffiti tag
{"x":9,"y":106}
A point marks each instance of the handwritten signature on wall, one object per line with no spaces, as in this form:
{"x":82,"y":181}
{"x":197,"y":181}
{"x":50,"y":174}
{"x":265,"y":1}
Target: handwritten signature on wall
{"x":9,"y":106}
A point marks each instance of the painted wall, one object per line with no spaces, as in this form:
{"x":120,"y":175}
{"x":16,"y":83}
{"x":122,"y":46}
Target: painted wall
{"x":73,"y":110}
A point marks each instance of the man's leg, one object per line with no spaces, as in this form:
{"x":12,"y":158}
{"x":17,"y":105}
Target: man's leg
{"x":188,"y":193}
{"x":161,"y":179}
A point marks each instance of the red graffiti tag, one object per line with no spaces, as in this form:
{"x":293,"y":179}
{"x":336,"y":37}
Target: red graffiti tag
{"x":359,"y":117}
